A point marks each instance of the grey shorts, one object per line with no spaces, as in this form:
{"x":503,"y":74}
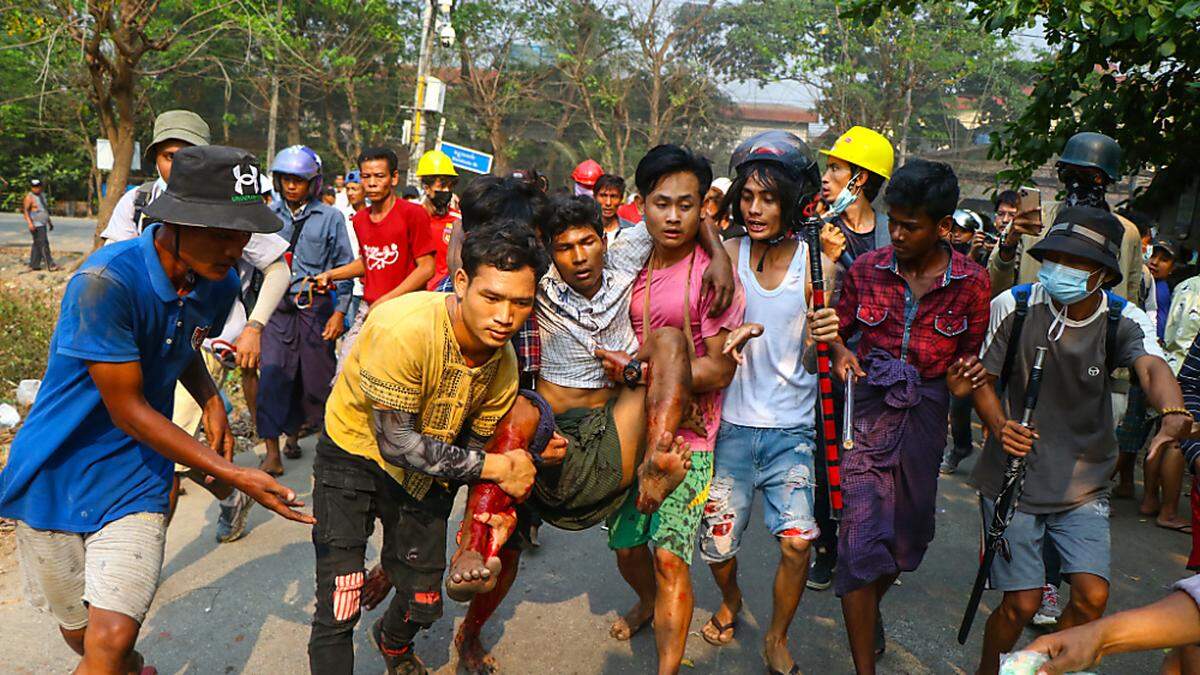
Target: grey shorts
{"x":116,"y":568}
{"x":1081,"y":537}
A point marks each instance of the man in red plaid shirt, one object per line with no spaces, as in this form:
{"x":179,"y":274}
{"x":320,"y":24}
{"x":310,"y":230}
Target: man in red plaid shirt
{"x":918,"y":307}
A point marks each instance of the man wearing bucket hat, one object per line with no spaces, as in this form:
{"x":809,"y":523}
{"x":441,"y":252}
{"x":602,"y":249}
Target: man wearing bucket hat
{"x":1088,"y":331}
{"x":89,"y":474}
{"x":261,"y":265}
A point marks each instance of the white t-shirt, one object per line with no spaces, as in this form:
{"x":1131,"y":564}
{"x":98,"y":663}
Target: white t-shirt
{"x":120,"y":225}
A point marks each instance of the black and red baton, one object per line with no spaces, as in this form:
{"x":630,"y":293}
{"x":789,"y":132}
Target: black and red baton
{"x":833,"y":457}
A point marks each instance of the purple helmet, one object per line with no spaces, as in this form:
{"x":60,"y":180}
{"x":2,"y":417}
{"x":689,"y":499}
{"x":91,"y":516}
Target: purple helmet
{"x":298,"y":160}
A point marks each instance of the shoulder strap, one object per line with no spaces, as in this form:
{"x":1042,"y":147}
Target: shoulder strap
{"x":1021,"y":293}
{"x":141,"y":197}
{"x":1116,"y":305}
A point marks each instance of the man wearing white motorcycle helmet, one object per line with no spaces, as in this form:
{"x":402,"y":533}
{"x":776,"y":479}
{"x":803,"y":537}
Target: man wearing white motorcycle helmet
{"x":298,"y":361}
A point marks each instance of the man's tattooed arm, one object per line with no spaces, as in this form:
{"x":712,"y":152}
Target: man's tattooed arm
{"x":401,"y":444}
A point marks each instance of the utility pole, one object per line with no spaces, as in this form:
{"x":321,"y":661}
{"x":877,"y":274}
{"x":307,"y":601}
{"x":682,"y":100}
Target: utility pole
{"x":445,"y":33}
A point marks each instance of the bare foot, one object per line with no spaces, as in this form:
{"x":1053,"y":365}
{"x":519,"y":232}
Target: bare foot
{"x":472,"y":657}
{"x":470,"y":575}
{"x":662,"y":471}
{"x":271,"y":465}
{"x":775,"y":652}
{"x":632,"y":623}
{"x":1123,"y":491}
{"x":1150,"y":505}
{"x":1178,"y":524}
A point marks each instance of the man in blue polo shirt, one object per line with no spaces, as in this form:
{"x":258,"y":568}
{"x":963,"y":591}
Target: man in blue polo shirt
{"x":89,"y":473}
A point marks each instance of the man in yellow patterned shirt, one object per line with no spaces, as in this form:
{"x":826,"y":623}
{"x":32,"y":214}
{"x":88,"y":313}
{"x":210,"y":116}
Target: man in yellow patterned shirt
{"x":420,"y":394}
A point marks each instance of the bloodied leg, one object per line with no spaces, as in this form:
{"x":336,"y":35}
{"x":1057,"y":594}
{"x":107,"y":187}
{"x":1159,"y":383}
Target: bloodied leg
{"x":489,"y":517}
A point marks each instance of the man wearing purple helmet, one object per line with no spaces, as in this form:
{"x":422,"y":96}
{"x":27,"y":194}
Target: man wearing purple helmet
{"x":298,"y":360}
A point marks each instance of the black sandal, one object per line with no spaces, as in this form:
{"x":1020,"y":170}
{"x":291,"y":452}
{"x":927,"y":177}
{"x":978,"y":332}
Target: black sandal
{"x":721,"y":628}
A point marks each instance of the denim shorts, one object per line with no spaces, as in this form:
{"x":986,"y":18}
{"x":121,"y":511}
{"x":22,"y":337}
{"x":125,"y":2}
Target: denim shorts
{"x":1081,"y":537}
{"x":779,"y":462}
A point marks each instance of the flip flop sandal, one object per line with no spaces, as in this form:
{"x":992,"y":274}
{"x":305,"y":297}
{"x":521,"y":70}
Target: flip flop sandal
{"x":794,"y":671}
{"x":291,"y":451}
{"x":721,"y":628}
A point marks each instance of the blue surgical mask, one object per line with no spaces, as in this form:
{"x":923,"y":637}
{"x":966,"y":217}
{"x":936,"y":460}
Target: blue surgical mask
{"x":1065,"y":284}
{"x":844,"y":199}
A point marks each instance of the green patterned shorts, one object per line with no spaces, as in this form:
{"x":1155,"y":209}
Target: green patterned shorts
{"x":676,"y":524}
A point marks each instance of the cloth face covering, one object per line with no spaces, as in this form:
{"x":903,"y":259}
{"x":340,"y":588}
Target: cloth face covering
{"x":441,"y":200}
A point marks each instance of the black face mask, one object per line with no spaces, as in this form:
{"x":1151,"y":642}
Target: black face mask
{"x":441,"y":200}
{"x":1082,"y":191}
{"x":963,"y":248}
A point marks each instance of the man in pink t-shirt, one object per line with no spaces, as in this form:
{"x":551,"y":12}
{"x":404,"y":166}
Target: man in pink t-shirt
{"x":671,"y":184}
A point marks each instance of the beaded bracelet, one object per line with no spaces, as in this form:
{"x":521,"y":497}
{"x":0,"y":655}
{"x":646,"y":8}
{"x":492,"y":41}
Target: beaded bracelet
{"x":1176,"y":411}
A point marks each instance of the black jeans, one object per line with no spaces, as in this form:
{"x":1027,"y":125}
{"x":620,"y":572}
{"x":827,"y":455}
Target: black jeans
{"x":39,"y":253}
{"x":350,"y":493}
{"x":960,"y":426}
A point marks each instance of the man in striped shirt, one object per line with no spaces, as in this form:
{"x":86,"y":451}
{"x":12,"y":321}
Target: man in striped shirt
{"x":582,"y":313}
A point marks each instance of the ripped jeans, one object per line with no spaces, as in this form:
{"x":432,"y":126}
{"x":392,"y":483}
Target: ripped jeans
{"x":779,"y":462}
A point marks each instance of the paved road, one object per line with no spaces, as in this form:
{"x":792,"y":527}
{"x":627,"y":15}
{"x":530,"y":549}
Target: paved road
{"x":72,"y":235}
{"x":245,"y":607}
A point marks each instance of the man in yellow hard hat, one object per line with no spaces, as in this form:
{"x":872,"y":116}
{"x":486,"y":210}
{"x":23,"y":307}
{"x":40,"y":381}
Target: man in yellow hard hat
{"x":855,"y":169}
{"x":438,"y":178}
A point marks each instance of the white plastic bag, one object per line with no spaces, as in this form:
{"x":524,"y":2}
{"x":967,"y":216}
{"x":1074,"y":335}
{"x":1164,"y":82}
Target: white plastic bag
{"x":9,"y":417}
{"x":27,"y":392}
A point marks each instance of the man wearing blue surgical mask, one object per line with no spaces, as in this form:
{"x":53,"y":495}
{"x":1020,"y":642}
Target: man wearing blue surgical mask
{"x":1088,"y":331}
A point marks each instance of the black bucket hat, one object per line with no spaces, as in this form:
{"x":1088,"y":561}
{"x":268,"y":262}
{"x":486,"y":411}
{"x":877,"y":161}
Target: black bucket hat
{"x":1087,"y":232}
{"x":214,"y":186}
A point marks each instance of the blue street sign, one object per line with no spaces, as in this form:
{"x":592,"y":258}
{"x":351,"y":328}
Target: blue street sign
{"x":467,"y":159}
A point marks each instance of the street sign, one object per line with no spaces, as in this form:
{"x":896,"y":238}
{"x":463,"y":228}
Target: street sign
{"x":104,"y":156}
{"x":467,"y":159}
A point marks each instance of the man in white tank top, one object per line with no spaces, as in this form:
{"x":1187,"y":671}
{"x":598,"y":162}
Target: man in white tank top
{"x":767,"y":436}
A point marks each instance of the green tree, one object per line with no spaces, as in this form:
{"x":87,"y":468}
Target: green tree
{"x":900,"y":73}
{"x":1127,"y":68}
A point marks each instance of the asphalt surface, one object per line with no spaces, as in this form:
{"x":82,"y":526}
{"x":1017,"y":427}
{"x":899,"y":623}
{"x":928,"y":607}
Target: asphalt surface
{"x":72,"y":235}
{"x":245,"y":606}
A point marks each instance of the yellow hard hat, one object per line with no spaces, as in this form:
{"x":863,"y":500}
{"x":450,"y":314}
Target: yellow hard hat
{"x":435,"y":163}
{"x":865,"y":148}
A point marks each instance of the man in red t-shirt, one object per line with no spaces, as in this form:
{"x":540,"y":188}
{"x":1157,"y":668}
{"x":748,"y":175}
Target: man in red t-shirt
{"x":438,"y":178}
{"x":395,"y":246}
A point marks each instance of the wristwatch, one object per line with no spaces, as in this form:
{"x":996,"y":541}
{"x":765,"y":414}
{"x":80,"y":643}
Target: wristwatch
{"x":632,"y":373}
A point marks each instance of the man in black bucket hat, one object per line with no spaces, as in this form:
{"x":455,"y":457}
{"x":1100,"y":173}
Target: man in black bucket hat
{"x":89,"y":473}
{"x":1088,"y":332}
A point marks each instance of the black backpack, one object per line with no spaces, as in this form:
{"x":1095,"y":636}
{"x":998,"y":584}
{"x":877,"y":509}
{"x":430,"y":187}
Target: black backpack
{"x":1116,"y":305}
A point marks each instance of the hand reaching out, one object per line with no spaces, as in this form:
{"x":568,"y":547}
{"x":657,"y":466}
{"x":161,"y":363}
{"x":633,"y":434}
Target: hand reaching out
{"x":738,"y":337}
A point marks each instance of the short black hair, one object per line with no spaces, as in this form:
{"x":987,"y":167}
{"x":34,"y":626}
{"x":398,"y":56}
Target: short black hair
{"x":409,"y":192}
{"x":872,"y":186}
{"x":328,"y":191}
{"x":792,"y":195}
{"x":921,"y":184}
{"x":370,"y":154}
{"x":507,"y":244}
{"x":609,"y":180}
{"x":664,"y":160}
{"x":1007,"y":198}
{"x":490,"y":197}
{"x":568,"y":211}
